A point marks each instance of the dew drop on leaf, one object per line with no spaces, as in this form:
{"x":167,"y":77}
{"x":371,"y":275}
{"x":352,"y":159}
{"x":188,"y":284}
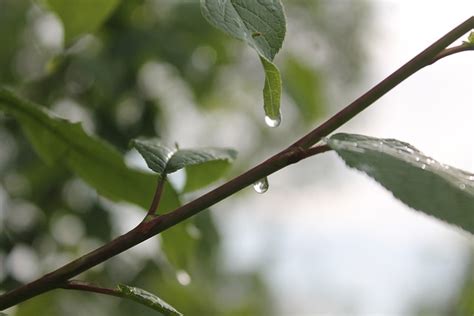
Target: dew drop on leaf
{"x":273,"y":122}
{"x":261,"y":186}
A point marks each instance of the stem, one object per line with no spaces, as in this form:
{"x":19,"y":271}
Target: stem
{"x":88,"y":287}
{"x":156,"y":197}
{"x":426,"y":57}
{"x":453,"y":50}
{"x":296,"y":152}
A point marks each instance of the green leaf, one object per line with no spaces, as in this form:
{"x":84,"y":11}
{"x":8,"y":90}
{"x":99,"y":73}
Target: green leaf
{"x":305,"y":86}
{"x":148,"y":299}
{"x":179,"y":246}
{"x":81,"y":16}
{"x":415,"y":179}
{"x":58,"y":141}
{"x":200,"y":176}
{"x":156,"y":155}
{"x":164,"y":160}
{"x":470,"y":38}
{"x":271,"y":91}
{"x":193,"y":157}
{"x":261,"y":24}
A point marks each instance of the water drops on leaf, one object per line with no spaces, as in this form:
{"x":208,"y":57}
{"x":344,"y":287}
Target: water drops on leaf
{"x":273,"y":122}
{"x":416,"y":179}
{"x":261,"y":186}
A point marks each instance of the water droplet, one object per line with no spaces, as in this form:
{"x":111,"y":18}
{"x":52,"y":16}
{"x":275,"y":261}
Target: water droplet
{"x":273,"y":122}
{"x":462,"y":186}
{"x":183,"y":277}
{"x":417,"y":158}
{"x":423,"y":166}
{"x":261,"y":186}
{"x":471,"y":178}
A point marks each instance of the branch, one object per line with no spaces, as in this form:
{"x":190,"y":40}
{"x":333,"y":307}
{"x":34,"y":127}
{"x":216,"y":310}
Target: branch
{"x":315,"y":151}
{"x":296,"y":152}
{"x":88,"y":287}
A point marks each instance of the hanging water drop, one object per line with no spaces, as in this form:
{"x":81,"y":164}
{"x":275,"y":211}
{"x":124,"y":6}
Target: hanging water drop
{"x":261,"y":186}
{"x":273,"y":122}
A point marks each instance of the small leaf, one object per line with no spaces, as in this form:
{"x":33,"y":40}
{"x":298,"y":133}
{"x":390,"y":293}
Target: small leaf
{"x":261,"y":24}
{"x":156,"y":155}
{"x":417,"y":180}
{"x":470,"y":38}
{"x":164,"y":160}
{"x":148,"y":299}
{"x":58,"y":141}
{"x":81,"y":16}
{"x":271,"y":90}
{"x":191,"y":157}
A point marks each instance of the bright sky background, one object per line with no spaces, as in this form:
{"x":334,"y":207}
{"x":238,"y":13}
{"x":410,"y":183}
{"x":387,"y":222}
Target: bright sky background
{"x":343,"y":244}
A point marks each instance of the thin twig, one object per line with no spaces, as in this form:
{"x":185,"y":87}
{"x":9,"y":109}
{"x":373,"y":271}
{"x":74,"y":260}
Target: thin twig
{"x":315,"y":151}
{"x":89,"y":287}
{"x":292,"y":154}
{"x":464,"y":47}
{"x":157,"y":197}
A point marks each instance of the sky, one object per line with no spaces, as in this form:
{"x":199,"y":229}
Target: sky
{"x":333,"y":241}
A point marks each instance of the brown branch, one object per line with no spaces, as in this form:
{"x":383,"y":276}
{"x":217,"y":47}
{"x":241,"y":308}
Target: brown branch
{"x":315,"y":151}
{"x":299,"y":150}
{"x":88,"y":287}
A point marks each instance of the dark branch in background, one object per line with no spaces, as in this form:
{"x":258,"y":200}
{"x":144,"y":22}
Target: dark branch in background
{"x":296,"y":152}
{"x":88,"y":287}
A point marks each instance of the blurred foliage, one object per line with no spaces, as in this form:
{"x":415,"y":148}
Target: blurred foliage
{"x":115,"y":82}
{"x":464,"y":303}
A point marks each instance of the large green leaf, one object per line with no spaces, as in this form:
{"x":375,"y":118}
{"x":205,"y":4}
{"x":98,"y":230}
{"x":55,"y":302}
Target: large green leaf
{"x":148,"y":299}
{"x":81,"y":16}
{"x":305,"y":86}
{"x":203,"y":166}
{"x":179,"y":246}
{"x":417,"y":180}
{"x":200,"y":176}
{"x":58,"y":141}
{"x":261,"y":24}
